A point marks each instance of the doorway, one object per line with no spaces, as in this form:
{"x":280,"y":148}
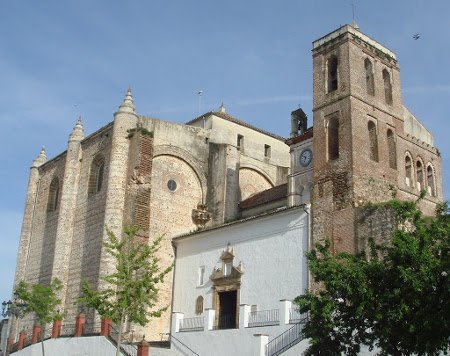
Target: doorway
{"x":227,"y":309}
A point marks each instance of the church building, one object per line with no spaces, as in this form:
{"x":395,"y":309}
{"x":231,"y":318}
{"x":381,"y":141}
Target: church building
{"x":238,"y":206}
{"x":364,"y":146}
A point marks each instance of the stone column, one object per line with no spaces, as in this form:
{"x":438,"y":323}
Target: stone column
{"x":143,"y":348}
{"x":35,"y":338}
{"x":27,"y":228}
{"x":210,"y":317}
{"x":67,"y":208}
{"x":79,"y":324}
{"x":124,"y":119}
{"x":243,"y":315}
{"x":105,"y":327}
{"x":223,"y":185}
{"x":285,"y":306}
{"x":176,"y":317}
{"x":56,"y":329}
{"x":22,"y":337}
{"x":261,"y":341}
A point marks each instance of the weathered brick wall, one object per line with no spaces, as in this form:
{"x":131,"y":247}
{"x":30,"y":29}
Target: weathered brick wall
{"x":375,"y":223}
{"x":363,"y":172}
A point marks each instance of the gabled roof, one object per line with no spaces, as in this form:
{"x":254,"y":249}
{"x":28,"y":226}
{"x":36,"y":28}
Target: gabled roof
{"x":273,"y":194}
{"x":230,"y":118}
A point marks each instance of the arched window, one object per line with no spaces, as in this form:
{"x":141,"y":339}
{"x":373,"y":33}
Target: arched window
{"x":431,"y":187}
{"x":420,"y":176}
{"x":392,"y":149}
{"x":333,"y":139}
{"x":387,"y":87}
{"x":370,"y":85}
{"x":53,"y":195}
{"x":199,"y":305}
{"x":408,"y":170}
{"x":96,"y":175}
{"x":332,"y":74}
{"x":373,"y":141}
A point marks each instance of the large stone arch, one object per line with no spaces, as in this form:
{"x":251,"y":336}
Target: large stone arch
{"x":252,"y":181}
{"x":260,"y":170}
{"x":171,"y":206}
{"x":184,"y":155}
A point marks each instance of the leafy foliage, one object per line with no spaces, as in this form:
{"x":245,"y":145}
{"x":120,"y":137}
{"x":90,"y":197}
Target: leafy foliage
{"x":40,"y":300}
{"x":133,"y":290}
{"x":397,"y":298}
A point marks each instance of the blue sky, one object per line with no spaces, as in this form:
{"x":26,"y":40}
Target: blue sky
{"x":61,"y":59}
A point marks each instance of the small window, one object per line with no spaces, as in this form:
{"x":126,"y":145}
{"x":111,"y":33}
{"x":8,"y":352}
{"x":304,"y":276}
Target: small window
{"x":53,"y":195}
{"x":201,"y":275}
{"x":100,"y":171}
{"x":420,"y":176}
{"x":172,"y":185}
{"x":370,"y":86}
{"x":431,"y":187}
{"x":240,"y":141}
{"x":227,"y":268}
{"x":387,"y":87}
{"x":408,"y":171}
{"x":199,"y":305}
{"x":333,"y":139}
{"x":392,"y":149}
{"x":373,"y":141}
{"x":332,"y":69}
{"x":97,"y":175}
{"x":267,"y":150}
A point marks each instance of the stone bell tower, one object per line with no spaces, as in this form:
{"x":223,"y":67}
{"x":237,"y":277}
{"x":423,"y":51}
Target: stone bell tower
{"x":359,"y":133}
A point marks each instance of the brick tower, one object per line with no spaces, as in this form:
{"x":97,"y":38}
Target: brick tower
{"x":367,"y":145}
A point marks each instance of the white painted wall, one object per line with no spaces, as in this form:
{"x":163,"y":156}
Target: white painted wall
{"x":272,"y":250}
{"x":71,"y":346}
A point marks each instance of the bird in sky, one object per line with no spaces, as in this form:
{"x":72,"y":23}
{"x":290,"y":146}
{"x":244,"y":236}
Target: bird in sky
{"x":416,"y":36}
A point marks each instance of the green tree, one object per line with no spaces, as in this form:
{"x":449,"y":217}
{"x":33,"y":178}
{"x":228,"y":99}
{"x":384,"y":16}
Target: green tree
{"x":133,"y":286}
{"x":396,"y":297}
{"x":40,"y":300}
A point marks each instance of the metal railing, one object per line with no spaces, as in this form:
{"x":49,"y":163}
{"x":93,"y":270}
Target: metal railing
{"x":68,"y":329}
{"x":92,"y":329}
{"x":28,"y":340}
{"x":264,"y":318}
{"x":127,"y":348}
{"x":286,"y":340}
{"x":46,"y":333}
{"x":192,"y":324}
{"x":182,"y":346}
{"x":295,"y":316}
{"x":226,"y":321}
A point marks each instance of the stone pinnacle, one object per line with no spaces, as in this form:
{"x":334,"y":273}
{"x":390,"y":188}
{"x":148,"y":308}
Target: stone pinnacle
{"x":78,"y":131}
{"x":127,"y":104}
{"x":40,"y":159}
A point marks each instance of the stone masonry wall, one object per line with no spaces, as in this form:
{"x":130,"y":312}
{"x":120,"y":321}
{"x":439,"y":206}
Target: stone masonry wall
{"x":84,"y":263}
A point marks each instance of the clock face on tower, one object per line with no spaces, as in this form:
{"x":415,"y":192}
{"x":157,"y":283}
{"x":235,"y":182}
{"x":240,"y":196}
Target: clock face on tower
{"x":306,"y":157}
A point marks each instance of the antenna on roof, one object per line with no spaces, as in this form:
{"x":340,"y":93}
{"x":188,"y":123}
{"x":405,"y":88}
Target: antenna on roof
{"x":77,"y":112}
{"x":199,"y":93}
{"x":354,"y":24}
